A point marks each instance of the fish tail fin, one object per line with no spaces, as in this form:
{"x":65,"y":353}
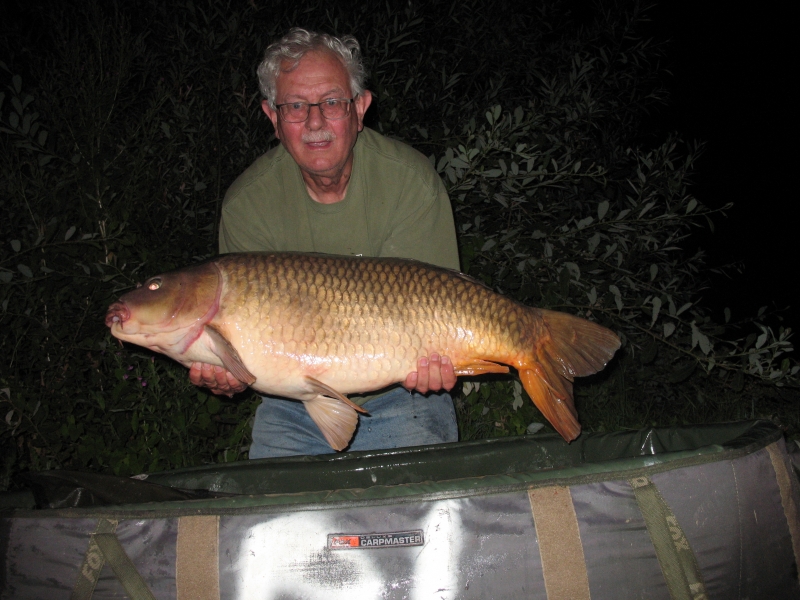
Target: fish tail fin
{"x":558,"y":409}
{"x":568,"y":347}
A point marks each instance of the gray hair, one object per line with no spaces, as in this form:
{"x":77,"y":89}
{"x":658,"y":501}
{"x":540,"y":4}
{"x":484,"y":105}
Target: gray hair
{"x":295,"y":45}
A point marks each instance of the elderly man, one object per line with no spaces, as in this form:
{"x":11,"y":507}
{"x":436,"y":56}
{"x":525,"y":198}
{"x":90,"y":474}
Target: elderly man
{"x":333,"y":186}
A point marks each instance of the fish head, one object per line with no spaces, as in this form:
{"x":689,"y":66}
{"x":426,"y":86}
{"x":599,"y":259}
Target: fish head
{"x":167,"y":312}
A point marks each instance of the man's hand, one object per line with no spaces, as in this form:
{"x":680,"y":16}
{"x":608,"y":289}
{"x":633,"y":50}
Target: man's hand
{"x":432,"y":375}
{"x":216,"y":379}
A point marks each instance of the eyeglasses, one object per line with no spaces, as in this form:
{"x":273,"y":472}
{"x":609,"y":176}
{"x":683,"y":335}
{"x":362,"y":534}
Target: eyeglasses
{"x":332,"y":108}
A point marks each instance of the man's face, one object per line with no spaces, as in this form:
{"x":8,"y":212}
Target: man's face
{"x":319,"y":146}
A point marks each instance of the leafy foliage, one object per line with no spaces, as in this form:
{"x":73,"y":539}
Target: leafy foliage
{"x":120,"y":130}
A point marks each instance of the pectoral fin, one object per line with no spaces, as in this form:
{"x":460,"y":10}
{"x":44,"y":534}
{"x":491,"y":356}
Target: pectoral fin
{"x":479,"y":367}
{"x":229,"y":356}
{"x":333,"y":413}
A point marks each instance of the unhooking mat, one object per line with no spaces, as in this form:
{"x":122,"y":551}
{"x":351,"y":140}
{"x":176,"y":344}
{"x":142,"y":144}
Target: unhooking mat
{"x":680,"y":513}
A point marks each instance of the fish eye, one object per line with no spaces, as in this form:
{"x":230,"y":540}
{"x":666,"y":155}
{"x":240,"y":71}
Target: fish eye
{"x":154,"y":284}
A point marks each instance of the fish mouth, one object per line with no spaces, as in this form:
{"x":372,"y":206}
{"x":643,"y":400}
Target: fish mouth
{"x":117,"y":313}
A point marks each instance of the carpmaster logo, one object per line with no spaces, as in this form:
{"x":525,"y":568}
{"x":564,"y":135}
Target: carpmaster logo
{"x":363,"y":541}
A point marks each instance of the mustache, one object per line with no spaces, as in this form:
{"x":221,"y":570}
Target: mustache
{"x":318,"y":136}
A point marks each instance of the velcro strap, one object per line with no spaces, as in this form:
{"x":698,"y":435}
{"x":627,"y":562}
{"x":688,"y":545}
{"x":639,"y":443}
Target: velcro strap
{"x":197,"y":561}
{"x":563,"y":561}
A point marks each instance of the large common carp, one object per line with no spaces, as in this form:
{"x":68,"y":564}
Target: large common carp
{"x":316,"y":327}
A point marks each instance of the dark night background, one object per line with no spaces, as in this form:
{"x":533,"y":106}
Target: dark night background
{"x":731,"y":89}
{"x":726,"y":87}
{"x":731,"y":75}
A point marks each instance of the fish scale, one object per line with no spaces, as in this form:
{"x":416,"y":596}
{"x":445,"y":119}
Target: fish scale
{"x":357,"y":305}
{"x":317,"y":327}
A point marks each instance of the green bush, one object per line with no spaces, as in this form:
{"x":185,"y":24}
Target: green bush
{"x":121,"y":127}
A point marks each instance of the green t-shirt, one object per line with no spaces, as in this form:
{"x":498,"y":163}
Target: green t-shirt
{"x":396,"y":206}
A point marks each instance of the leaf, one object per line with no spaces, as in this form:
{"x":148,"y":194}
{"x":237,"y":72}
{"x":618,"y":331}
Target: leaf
{"x":25,"y":270}
{"x":488,"y":244}
{"x":602,"y":209}
{"x":653,"y":271}
{"x":574,"y":270}
{"x":727,"y":315}
{"x":647,"y":207}
{"x":762,"y":339}
{"x":592,"y":295}
{"x":594,"y":242}
{"x":701,"y":339}
{"x":15,"y":245}
{"x":69,"y":233}
{"x":6,"y":277}
{"x":213,"y":405}
{"x":656,"y":309}
{"x":517,"y":404}
{"x":583,"y":223}
{"x":669,"y":329}
{"x":691,"y":206}
{"x":617,"y":296}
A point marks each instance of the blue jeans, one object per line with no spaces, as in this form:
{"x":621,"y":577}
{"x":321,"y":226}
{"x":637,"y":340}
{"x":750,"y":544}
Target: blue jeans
{"x":397,"y":418}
